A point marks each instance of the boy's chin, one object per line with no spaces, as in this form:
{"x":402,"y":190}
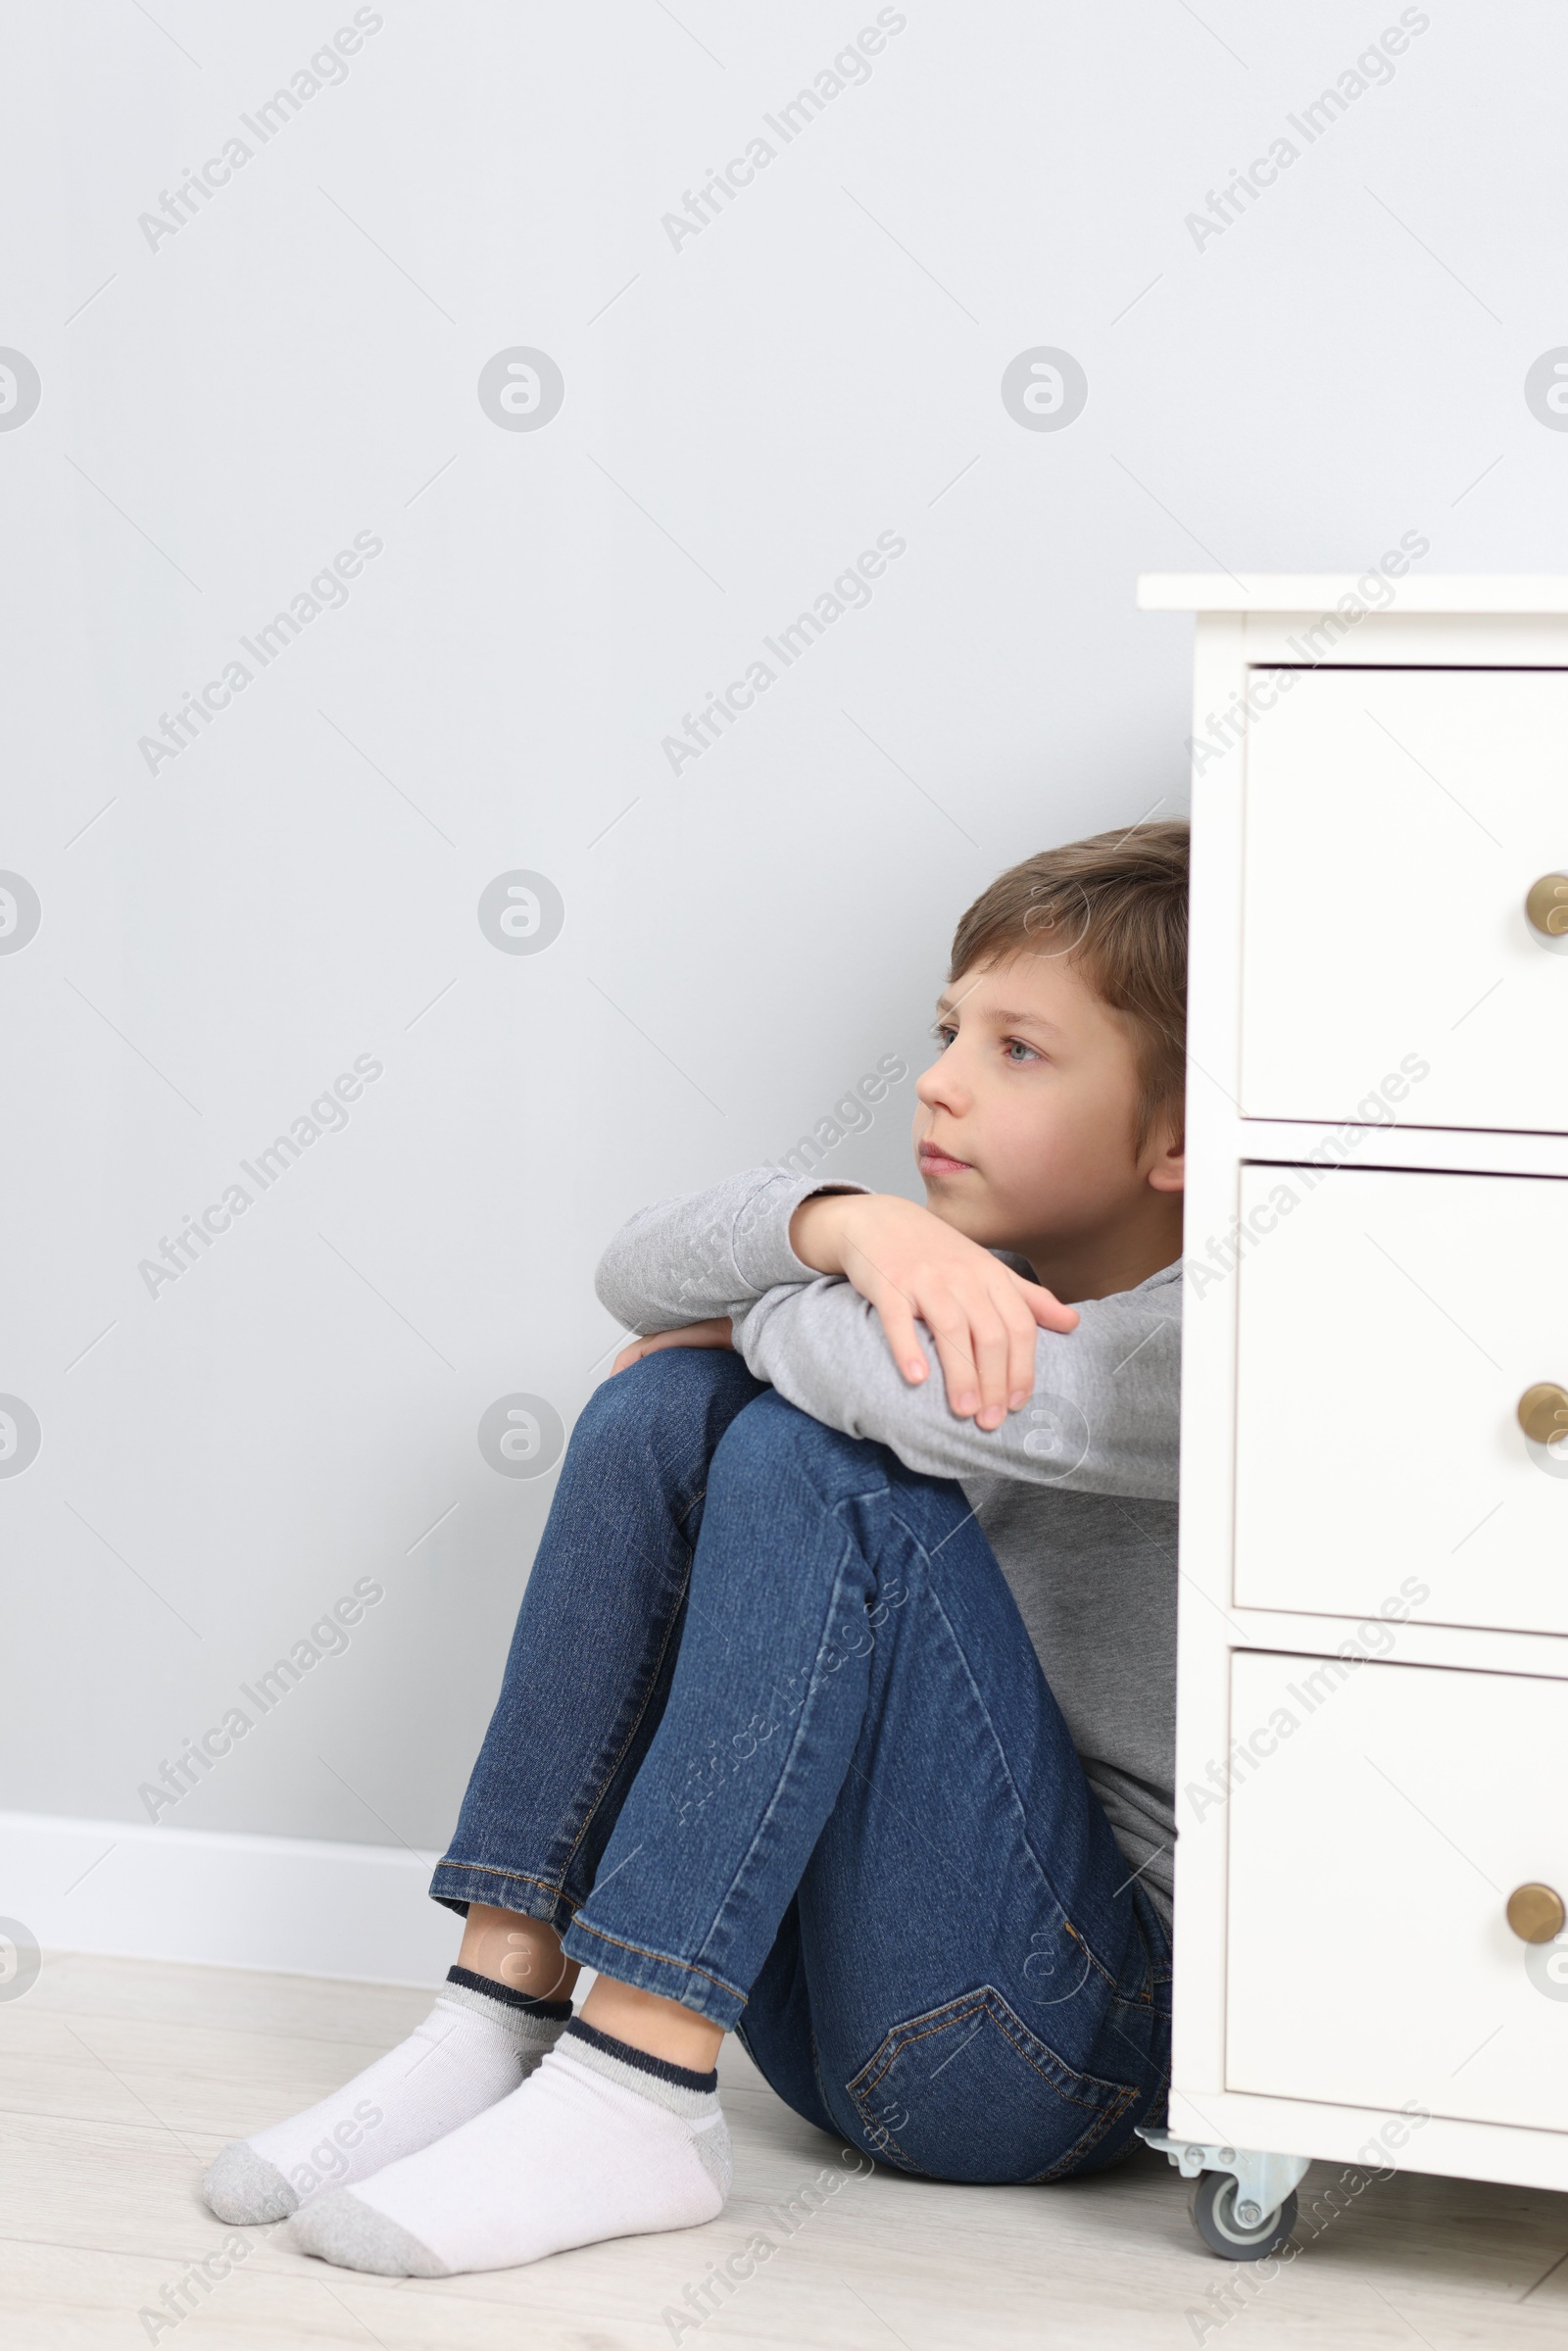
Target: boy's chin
{"x":967,"y":1217}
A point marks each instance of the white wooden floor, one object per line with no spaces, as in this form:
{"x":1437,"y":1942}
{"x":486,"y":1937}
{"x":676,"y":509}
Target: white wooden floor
{"x":118,"y":2079}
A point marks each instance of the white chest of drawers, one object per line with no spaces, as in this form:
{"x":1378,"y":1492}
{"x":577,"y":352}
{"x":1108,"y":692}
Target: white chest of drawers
{"x":1372,"y":1742}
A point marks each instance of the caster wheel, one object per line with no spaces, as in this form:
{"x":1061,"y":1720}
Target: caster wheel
{"x":1214,"y":2219}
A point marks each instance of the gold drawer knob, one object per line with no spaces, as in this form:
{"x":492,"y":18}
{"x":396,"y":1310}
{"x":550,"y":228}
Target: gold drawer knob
{"x":1547,"y":906}
{"x":1543,"y":1413}
{"x":1535,"y":1913}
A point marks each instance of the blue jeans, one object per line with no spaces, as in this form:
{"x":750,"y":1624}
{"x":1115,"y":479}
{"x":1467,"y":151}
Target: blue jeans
{"x":772,"y":1741}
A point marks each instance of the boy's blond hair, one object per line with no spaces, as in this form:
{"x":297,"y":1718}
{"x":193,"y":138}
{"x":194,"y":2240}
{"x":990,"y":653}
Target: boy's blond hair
{"x":1115,"y":904}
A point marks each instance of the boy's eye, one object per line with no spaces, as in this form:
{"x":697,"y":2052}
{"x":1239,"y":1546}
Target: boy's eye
{"x":944,"y":1035}
{"x":1018,"y":1050}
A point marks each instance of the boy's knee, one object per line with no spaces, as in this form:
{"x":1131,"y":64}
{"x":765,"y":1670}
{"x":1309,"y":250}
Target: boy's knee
{"x":777,"y":1450}
{"x":678,"y":1385}
{"x":770,"y":1431}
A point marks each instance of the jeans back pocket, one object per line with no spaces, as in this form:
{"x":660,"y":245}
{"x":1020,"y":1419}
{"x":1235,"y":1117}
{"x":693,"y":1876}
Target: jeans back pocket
{"x":966,"y":2092}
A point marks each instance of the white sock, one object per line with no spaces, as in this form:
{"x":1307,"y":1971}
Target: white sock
{"x":601,"y":2141}
{"x":479,"y":2041}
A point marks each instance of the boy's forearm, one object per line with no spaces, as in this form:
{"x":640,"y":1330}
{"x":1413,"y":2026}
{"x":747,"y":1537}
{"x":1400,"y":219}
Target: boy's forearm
{"x":704,"y":1254}
{"x":1102,"y":1418}
{"x":817,"y":1230}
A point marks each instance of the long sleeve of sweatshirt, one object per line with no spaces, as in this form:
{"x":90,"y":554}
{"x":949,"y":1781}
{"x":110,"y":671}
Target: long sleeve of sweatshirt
{"x":706,"y":1252}
{"x":1102,"y":1418}
{"x":1103,"y":1415}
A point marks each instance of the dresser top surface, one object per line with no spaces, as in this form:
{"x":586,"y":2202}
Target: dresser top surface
{"x":1321,"y":591}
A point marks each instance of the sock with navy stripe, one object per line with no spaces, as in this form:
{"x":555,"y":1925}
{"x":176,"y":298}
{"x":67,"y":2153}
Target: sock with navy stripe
{"x":603,"y":2140}
{"x":479,"y":2041}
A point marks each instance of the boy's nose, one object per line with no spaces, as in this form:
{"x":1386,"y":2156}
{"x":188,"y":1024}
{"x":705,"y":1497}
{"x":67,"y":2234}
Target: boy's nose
{"x":940,"y":1088}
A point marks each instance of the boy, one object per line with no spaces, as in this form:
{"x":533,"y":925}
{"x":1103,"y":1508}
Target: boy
{"x":799,"y":1735}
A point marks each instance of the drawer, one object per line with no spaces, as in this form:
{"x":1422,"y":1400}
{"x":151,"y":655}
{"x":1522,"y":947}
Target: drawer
{"x":1395,"y":820}
{"x":1372,"y":1847}
{"x":1389,"y":1323}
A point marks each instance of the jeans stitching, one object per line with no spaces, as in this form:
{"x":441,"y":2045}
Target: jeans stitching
{"x":1104,"y":1973}
{"x":786,"y":1758}
{"x":650,"y":1687}
{"x":1091,"y":2139}
{"x":954,"y":2013}
{"x":1095,"y":1962}
{"x":680,"y":1518}
{"x":489,"y":1869}
{"x":557,"y":1891}
{"x":581,"y":1925}
{"x":986,"y":2002}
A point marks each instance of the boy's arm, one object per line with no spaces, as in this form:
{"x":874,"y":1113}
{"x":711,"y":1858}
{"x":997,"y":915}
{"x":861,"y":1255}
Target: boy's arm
{"x":1102,"y":1418}
{"x":706,"y":1255}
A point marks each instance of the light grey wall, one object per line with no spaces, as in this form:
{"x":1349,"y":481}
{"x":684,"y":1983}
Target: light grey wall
{"x":746,"y":408}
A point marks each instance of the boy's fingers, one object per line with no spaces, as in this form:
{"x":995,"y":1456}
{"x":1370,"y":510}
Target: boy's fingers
{"x":898,"y":1325}
{"x":989,"y":1339}
{"x":1022,"y":1331}
{"x":1048,"y":1309}
{"x":949,"y":1328}
{"x":717,"y":1332}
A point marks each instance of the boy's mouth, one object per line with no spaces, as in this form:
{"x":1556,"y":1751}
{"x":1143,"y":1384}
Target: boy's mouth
{"x":935,"y":1161}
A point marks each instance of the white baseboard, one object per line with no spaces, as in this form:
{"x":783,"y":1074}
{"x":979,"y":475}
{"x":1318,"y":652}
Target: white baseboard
{"x":286,"y":1904}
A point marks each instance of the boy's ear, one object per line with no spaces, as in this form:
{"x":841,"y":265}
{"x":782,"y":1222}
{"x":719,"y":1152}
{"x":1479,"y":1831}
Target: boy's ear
{"x":1169,"y":1170}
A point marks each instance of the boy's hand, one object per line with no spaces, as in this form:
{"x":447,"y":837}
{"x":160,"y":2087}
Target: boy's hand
{"x":908,"y":1264}
{"x":717,"y":1333}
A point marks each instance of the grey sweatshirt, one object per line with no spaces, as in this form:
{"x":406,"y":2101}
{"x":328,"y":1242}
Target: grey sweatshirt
{"x":1076,"y":1493}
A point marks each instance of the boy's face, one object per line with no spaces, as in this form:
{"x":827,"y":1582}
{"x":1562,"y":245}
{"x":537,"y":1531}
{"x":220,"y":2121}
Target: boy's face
{"x":1024,"y":1133}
